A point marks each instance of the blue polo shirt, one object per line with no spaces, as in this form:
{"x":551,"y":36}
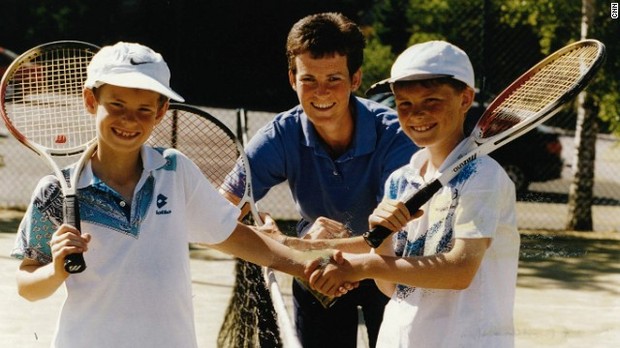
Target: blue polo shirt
{"x":346,"y":189}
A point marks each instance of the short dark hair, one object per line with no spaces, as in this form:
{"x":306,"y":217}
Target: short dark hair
{"x":325,"y":34}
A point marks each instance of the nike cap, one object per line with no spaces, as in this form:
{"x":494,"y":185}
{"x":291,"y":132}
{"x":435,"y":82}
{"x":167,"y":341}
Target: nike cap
{"x":428,"y":60}
{"x":130,"y":65}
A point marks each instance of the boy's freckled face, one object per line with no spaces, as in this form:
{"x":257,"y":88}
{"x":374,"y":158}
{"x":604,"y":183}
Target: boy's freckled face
{"x":126,"y":116}
{"x":431,"y":116}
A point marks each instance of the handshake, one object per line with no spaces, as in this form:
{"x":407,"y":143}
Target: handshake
{"x":329,"y":276}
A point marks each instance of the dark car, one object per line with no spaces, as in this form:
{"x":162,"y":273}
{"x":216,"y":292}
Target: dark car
{"x":6,"y":58}
{"x":536,"y":156}
{"x":29,"y":74}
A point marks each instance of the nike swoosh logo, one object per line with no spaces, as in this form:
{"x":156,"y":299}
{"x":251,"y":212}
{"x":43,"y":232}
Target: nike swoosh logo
{"x":133,"y":62}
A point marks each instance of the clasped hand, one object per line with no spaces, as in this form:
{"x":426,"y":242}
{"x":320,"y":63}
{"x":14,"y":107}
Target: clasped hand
{"x":333,"y":276}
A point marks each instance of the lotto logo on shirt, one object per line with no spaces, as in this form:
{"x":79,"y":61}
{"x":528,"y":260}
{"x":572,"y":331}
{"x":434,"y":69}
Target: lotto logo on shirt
{"x":161,"y":202}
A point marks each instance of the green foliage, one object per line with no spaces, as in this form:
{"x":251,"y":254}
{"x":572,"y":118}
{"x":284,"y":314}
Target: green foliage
{"x":504,"y":38}
{"x":378,"y":59}
{"x":555,"y":22}
{"x":243,"y":40}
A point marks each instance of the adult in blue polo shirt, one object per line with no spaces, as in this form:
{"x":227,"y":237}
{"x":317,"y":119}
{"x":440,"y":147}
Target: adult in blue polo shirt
{"x":336,"y":151}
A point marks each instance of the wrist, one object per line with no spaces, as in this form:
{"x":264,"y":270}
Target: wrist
{"x":284,"y":240}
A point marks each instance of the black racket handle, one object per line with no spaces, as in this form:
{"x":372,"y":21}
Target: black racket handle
{"x":377,"y":235}
{"x":74,"y":263}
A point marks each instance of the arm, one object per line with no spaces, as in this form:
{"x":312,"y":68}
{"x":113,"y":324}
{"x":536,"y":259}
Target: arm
{"x":450,"y":270}
{"x":267,"y":252}
{"x":454,"y":269}
{"x":36,"y":281}
{"x":326,"y":233}
{"x":317,"y":238}
{"x":393,"y":215}
{"x":351,"y":245}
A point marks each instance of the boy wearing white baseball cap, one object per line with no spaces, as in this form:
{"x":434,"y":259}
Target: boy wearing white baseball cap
{"x":451,"y":272}
{"x":140,"y":207}
{"x":130,"y":65}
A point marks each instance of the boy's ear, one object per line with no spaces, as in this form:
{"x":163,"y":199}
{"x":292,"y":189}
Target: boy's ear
{"x":291,"y":79}
{"x":356,"y":80}
{"x":467,"y":98}
{"x":162,"y":111}
{"x":90,"y":101}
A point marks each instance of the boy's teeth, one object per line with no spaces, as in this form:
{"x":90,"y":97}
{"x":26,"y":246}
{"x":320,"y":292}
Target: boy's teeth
{"x":125,"y":134}
{"x":322,"y":106}
{"x":421,"y":128}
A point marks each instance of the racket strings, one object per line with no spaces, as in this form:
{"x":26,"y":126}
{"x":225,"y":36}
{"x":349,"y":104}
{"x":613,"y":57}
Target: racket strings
{"x":540,"y":90}
{"x":44,"y":98}
{"x":212,"y":148}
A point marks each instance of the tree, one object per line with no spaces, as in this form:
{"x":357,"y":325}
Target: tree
{"x":581,"y":191}
{"x":506,"y":37}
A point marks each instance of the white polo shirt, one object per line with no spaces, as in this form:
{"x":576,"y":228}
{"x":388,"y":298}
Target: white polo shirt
{"x":136,"y":290}
{"x":478,"y":203}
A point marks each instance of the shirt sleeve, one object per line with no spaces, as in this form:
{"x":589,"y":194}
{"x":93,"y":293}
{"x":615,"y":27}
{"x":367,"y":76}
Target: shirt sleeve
{"x":211,"y":218}
{"x":266,"y":155}
{"x":487,"y":198}
{"x":42,"y":218}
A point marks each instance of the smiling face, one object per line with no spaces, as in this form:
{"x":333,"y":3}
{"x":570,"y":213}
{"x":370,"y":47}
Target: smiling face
{"x":323,"y":87}
{"x":432,"y":114}
{"x":125,"y":117}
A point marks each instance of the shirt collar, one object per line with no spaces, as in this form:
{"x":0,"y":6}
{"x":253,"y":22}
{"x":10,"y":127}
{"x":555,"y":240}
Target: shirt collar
{"x":459,"y":151}
{"x":365,"y":137}
{"x":423,"y":155}
{"x":151,"y":160}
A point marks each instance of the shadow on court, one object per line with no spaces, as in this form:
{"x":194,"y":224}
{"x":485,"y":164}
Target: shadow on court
{"x":561,"y":198}
{"x":575,"y":262}
{"x":9,"y":220}
{"x":567,"y":292}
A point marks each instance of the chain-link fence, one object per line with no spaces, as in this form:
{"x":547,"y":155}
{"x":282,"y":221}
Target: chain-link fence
{"x":502,"y":45}
{"x":542,"y":206}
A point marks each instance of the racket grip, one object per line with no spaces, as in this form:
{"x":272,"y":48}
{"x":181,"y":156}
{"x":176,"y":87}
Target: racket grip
{"x":74,"y":263}
{"x":378,"y":234}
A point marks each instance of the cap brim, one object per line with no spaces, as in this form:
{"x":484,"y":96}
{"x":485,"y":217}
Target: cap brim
{"x":136,"y":80}
{"x":384,"y":85}
{"x":379,"y":87}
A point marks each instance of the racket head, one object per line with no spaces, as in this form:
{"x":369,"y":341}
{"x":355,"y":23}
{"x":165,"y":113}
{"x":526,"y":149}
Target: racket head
{"x":540,"y":92}
{"x":41,"y":98}
{"x":210,"y":144}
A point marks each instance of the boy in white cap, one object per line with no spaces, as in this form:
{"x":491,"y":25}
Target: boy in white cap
{"x":140,"y":207}
{"x":451,"y":272}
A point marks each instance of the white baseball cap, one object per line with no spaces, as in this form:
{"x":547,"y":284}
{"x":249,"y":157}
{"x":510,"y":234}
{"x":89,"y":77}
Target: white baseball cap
{"x":130,"y":65}
{"x":428,"y":60}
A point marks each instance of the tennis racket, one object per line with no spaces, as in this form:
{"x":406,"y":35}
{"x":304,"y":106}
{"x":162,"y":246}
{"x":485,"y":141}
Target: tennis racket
{"x":209,"y":143}
{"x":216,"y":150}
{"x":533,"y":98}
{"x":41,"y":104}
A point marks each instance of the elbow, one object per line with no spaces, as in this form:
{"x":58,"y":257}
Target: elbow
{"x":27,"y":295}
{"x":464,"y":279}
{"x":462,"y":275}
{"x":461,"y":284}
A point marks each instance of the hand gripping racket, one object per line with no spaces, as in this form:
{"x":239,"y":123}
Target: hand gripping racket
{"x":533,"y":98}
{"x":41,"y":104}
{"x":216,"y":150}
